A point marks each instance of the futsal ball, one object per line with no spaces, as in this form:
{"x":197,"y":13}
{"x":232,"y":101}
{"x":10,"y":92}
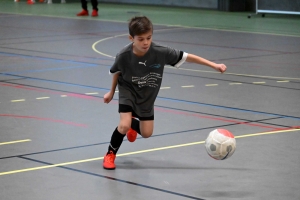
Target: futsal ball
{"x":220,"y":144}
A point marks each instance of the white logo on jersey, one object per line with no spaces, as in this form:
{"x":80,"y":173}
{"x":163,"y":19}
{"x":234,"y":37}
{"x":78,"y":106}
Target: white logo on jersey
{"x":143,"y":63}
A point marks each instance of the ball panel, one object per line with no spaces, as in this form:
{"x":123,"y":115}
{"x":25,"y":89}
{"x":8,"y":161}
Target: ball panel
{"x":220,"y":146}
{"x":226,"y":133}
{"x":213,"y":147}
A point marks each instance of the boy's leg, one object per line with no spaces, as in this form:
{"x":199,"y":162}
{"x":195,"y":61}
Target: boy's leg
{"x":142,"y":127}
{"x":135,"y":127}
{"x":134,"y":130}
{"x":146,"y":128}
{"x":116,"y":140}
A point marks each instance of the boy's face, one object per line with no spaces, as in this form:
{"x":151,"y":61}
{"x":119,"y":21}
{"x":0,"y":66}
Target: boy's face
{"x":141,"y":43}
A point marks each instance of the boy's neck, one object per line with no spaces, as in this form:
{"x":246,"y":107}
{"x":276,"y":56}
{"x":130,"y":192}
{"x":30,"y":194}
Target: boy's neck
{"x":137,"y":52}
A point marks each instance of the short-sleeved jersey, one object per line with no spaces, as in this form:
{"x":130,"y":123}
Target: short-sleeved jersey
{"x":140,"y":77}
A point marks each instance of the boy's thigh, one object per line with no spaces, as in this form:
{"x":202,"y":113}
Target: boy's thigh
{"x":126,"y":117}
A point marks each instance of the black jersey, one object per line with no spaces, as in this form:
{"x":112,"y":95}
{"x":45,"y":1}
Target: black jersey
{"x":140,"y":77}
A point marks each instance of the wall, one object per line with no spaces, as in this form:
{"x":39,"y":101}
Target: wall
{"x":250,"y":5}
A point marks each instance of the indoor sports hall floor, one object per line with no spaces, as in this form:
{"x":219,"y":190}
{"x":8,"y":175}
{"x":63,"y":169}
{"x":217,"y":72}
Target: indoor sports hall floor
{"x":55,"y":128}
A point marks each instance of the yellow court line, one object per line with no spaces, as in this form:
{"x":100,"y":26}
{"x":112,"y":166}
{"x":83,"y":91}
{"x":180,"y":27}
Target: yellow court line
{"x":139,"y":152}
{"x":227,"y":73}
{"x":103,"y":54}
{"x":50,"y":166}
{"x":108,"y":38}
{"x":266,"y":133}
{"x":13,"y":142}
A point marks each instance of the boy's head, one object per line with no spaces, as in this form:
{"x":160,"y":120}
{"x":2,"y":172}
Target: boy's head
{"x":140,"y":30}
{"x":139,"y":26}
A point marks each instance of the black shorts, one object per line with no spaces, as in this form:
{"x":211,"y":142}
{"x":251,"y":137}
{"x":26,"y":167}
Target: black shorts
{"x":125,"y":108}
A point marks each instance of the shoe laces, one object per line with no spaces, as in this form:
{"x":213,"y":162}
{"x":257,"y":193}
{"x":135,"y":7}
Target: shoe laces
{"x":110,"y":157}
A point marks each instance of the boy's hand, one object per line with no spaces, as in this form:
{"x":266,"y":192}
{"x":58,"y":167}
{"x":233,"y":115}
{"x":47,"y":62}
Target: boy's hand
{"x":108,"y":97}
{"x":220,"y":67}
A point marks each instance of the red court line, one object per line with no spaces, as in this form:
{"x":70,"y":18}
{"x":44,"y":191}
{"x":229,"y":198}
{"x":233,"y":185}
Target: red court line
{"x":156,"y":108}
{"x":29,"y":88}
{"x":82,"y":96}
{"x":216,"y":118}
{"x":44,"y":119}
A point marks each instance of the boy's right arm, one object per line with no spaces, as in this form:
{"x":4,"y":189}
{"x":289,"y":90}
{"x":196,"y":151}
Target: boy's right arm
{"x":109,"y":96}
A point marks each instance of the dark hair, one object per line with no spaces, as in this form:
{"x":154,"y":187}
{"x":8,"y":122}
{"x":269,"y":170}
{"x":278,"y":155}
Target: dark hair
{"x":139,"y":25}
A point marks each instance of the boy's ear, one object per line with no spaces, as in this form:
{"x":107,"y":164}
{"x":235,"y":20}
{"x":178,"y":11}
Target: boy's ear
{"x":130,"y":38}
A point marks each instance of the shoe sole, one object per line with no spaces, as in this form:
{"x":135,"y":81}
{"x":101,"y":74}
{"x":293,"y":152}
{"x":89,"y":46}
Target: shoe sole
{"x":108,"y":168}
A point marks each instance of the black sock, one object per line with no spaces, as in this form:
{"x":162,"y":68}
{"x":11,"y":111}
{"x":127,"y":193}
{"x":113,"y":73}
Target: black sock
{"x":135,"y":125}
{"x":115,"y":141}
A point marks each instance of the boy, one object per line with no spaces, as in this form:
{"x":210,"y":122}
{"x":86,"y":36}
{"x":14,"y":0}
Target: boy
{"x":138,"y":71}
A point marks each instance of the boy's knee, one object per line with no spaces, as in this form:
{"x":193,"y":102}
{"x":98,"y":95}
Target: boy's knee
{"x":123,"y":128}
{"x":146,"y":134}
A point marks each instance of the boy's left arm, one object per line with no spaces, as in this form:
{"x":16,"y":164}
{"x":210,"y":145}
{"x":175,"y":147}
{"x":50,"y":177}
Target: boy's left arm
{"x":202,"y":61}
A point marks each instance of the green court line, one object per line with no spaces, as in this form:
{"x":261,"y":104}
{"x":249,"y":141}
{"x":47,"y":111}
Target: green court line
{"x":286,"y":25}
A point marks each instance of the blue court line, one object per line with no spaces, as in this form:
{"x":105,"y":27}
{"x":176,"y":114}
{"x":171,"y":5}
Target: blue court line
{"x":228,"y":108}
{"x":56,"y":69}
{"x":52,"y":81}
{"x":52,"y":59}
{"x":47,"y":58}
{"x":163,"y":98}
{"x":114,"y":179}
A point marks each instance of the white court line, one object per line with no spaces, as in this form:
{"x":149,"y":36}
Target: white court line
{"x":18,"y":100}
{"x":40,"y":98}
{"x":91,"y":93}
{"x":187,"y":86}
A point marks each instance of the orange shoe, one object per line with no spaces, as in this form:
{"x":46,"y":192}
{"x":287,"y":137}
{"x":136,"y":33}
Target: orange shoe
{"x":131,"y":135}
{"x":30,"y":2}
{"x":94,"y":13}
{"x":83,"y":13}
{"x":109,"y":161}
